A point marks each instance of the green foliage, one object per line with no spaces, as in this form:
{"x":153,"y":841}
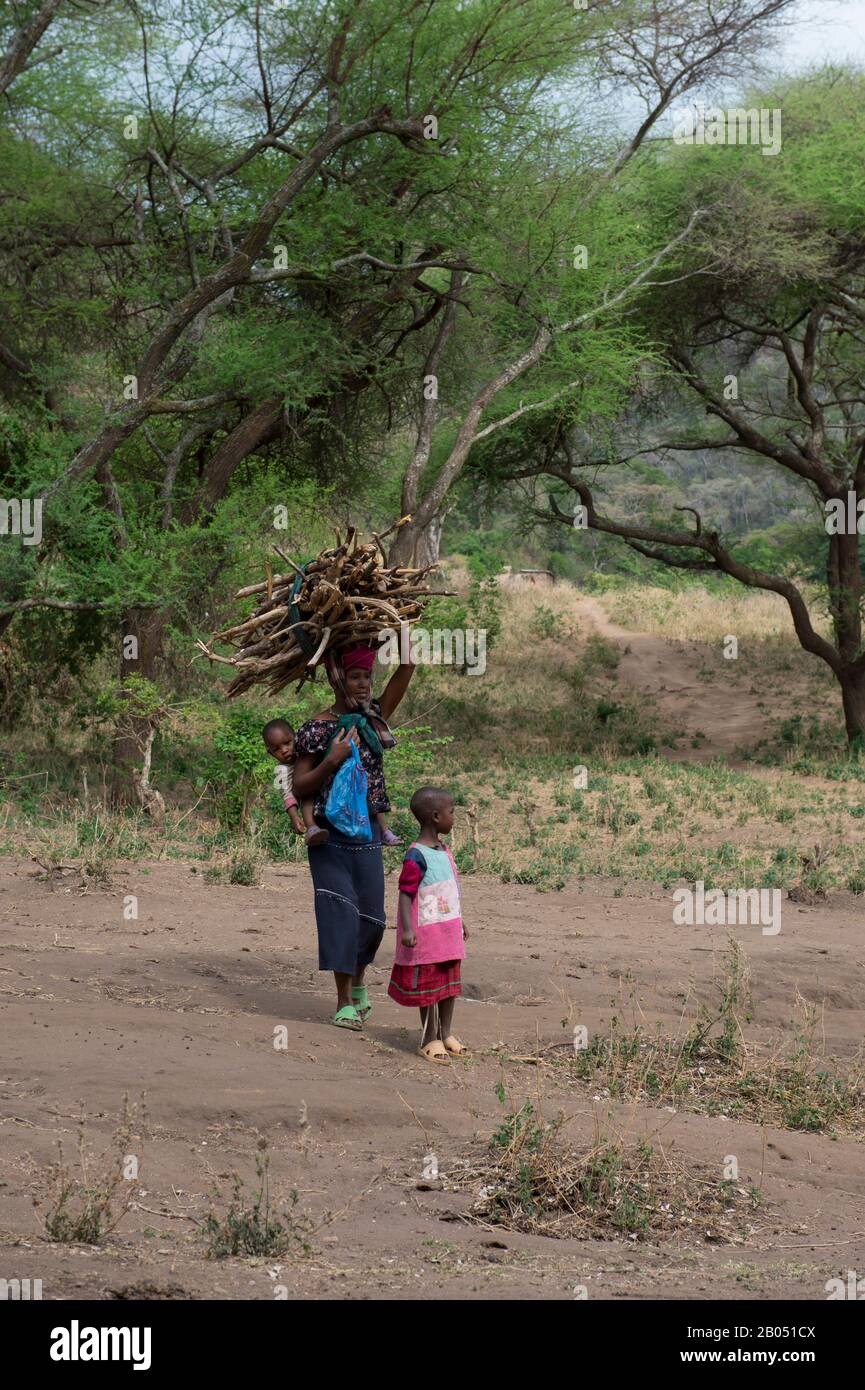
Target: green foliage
{"x":480,"y":611}
{"x":415,"y":762}
{"x":544,"y":622}
{"x":238,"y":766}
{"x":486,"y":548}
{"x":134,"y":697}
{"x":82,"y":190}
{"x":786,"y":548}
{"x":249,"y":1226}
{"x":485,"y":608}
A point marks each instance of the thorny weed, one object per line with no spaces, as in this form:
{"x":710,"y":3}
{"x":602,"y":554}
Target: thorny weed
{"x":86,"y":1206}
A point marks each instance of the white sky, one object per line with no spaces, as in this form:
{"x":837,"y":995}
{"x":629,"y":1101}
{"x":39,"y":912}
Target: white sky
{"x":829,"y":31}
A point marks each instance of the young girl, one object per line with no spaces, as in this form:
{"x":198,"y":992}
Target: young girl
{"x":279,"y":741}
{"x":431,"y":932}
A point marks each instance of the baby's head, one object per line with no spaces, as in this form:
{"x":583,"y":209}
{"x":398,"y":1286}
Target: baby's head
{"x":278,"y":738}
{"x":433,"y":809}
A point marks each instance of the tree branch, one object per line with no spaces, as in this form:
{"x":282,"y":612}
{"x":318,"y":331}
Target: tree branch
{"x":19,"y":604}
{"x":23,"y":42}
{"x":714,"y":556}
{"x":195,"y":306}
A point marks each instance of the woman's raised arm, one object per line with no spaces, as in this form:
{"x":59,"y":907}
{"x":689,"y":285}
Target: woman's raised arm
{"x":395,"y":689}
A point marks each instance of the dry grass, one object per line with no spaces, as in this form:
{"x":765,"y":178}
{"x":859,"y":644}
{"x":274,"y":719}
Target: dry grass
{"x":530,"y":1179}
{"x":799,"y":1091}
{"x":547,"y":703}
{"x":85,"y":1206}
{"x":711,"y":1068}
{"x":696,"y":614}
{"x":546,"y":673}
{"x":647,"y":820}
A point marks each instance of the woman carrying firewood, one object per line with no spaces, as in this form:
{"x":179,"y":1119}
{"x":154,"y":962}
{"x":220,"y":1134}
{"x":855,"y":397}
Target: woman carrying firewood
{"x":348,"y":875}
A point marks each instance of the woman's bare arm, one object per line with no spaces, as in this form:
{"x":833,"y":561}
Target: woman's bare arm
{"x":395,"y":689}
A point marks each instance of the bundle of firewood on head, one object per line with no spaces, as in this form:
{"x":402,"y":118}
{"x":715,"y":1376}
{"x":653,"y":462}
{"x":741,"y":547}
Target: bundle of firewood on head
{"x":344,"y":597}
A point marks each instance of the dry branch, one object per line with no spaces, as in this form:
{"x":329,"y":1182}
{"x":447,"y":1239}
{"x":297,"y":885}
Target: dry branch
{"x":345,"y":596}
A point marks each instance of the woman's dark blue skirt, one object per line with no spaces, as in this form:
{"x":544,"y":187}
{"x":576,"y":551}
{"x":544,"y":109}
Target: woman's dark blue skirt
{"x":348,"y":877}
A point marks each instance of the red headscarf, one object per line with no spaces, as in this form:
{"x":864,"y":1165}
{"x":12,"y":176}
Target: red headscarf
{"x":337,"y":663}
{"x":358,"y":656}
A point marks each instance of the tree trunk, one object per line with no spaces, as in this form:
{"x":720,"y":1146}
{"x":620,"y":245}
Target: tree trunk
{"x":417,"y":545}
{"x":853,"y":697}
{"x":844,"y":582}
{"x":147,"y":628}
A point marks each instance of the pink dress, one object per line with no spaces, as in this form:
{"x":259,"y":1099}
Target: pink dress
{"x":429,"y":971}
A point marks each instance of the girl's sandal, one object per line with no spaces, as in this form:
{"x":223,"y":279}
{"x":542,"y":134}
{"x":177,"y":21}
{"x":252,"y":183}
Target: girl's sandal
{"x":455,"y":1047}
{"x":316,"y":835}
{"x":348,"y":1017}
{"x":360,"y":999}
{"x":434,"y":1052}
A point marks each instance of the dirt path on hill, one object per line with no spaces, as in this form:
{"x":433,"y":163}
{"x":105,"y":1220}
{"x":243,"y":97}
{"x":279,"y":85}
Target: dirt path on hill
{"x":724,"y":710}
{"x":183,"y":1004}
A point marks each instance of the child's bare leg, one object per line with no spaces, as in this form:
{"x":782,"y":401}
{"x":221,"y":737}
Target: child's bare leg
{"x":446,"y":1017}
{"x":315,"y":835}
{"x":430,"y":1035}
{"x":428,"y":1025}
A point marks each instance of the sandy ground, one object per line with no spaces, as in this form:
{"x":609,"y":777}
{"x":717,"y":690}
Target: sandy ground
{"x":183,"y":1003}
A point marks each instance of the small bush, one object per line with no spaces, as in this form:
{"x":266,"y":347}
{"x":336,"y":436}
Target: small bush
{"x":85,"y":1207}
{"x":249,"y":1226}
{"x":238,"y":768}
{"x":530,"y":1179}
{"x":244,"y":867}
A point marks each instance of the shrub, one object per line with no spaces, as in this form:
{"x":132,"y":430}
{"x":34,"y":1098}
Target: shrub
{"x":250,"y":1226}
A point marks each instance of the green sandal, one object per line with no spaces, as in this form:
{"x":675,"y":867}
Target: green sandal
{"x":360,"y":996}
{"x":348,"y":1017}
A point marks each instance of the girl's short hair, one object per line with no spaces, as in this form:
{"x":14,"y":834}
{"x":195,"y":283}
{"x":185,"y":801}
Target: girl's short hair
{"x":427,"y":800}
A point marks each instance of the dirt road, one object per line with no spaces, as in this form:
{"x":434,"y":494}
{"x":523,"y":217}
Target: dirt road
{"x":727,"y":712}
{"x":183,"y":1003}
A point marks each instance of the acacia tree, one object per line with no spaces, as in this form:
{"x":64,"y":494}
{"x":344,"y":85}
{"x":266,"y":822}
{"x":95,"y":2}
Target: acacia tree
{"x":260,"y":240}
{"x":771,"y":347}
{"x":211,"y":248}
{"x":649,"y":53}
{"x":20,"y":32}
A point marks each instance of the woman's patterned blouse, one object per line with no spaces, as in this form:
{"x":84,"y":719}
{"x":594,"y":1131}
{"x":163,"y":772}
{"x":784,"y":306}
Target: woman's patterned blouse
{"x":314,"y":737}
